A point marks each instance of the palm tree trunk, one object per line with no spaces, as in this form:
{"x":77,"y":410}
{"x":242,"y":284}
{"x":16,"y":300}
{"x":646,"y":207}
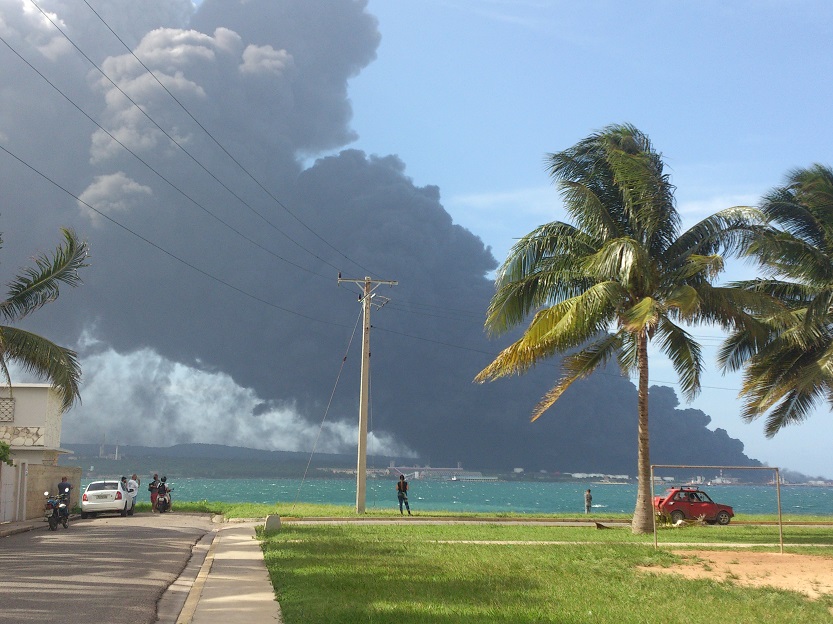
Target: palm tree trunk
{"x":643,"y":520}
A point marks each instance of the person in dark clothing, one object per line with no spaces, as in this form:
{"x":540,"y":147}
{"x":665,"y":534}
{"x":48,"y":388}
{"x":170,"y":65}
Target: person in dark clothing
{"x":164,"y":490}
{"x":153,"y":488}
{"x":64,"y":488}
{"x":402,"y":494}
{"x":588,"y":501}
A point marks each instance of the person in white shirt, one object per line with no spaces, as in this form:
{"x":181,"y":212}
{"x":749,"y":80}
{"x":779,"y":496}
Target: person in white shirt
{"x":133,"y":487}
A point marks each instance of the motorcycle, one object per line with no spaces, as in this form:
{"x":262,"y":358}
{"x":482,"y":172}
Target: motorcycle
{"x":163,"y":501}
{"x":56,"y":511}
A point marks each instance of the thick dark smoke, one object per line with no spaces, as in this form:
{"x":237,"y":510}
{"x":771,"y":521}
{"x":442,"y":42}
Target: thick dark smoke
{"x":211,"y":310}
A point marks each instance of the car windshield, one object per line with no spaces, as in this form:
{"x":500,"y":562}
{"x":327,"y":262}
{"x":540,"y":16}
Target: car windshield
{"x":103,"y":485}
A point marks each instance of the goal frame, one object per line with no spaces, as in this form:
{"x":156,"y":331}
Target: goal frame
{"x":777,"y":478}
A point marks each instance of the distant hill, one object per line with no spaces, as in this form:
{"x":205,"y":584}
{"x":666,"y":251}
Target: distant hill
{"x":207,"y":461}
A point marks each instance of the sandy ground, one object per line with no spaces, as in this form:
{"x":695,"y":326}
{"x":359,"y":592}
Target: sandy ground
{"x":811,"y":575}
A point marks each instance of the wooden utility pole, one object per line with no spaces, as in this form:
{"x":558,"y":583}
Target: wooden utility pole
{"x":369,"y":285}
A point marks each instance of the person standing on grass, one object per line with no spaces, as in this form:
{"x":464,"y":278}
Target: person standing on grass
{"x":153,"y":486}
{"x":588,"y":499}
{"x":402,"y":494}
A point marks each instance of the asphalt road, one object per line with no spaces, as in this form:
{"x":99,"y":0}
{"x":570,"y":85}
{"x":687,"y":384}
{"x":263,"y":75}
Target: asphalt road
{"x":105,"y":569}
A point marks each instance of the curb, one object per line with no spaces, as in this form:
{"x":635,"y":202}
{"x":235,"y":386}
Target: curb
{"x":194,"y":594}
{"x":20,"y":529}
{"x":14,"y":528}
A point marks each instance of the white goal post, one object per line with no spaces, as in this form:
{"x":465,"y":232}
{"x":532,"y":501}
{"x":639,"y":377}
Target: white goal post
{"x":776,"y":478}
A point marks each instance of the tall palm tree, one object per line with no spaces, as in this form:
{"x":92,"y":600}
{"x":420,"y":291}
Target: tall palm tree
{"x":34,"y":287}
{"x":788,"y":357}
{"x":616,"y":279}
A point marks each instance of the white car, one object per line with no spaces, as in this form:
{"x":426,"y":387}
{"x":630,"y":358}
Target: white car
{"x":108,"y":495}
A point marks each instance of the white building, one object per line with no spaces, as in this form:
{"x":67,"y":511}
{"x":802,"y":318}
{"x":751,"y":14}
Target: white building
{"x":30,"y":422}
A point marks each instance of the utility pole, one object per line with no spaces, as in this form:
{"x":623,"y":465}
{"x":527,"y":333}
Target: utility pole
{"x":368,"y":285}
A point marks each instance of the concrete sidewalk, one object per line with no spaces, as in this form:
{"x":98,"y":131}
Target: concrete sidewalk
{"x":232,"y":585}
{"x":224,"y":582}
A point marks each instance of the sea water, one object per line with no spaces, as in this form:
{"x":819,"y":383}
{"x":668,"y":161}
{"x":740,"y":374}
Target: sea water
{"x":490,"y":496}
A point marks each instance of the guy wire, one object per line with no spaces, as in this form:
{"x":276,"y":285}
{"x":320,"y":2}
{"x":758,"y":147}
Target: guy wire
{"x":326,"y":411}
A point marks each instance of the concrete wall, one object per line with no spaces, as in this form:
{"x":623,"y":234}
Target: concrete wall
{"x":46,"y":478}
{"x":30,"y":422}
{"x":37,"y":416}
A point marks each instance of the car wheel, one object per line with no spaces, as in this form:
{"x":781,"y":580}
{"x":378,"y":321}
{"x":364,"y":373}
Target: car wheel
{"x":677,"y":516}
{"x":723,"y":517}
{"x":130,"y":513}
{"x":124,"y":513}
{"x":84,"y":515}
{"x":53,"y":523}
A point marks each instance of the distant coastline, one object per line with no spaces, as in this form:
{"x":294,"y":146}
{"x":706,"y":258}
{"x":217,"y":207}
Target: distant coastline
{"x":219,"y":461}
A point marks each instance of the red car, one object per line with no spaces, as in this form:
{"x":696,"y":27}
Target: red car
{"x":690,"y":503}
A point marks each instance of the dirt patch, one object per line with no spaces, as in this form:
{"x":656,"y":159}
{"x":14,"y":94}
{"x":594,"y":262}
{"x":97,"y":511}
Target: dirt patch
{"x":811,"y":575}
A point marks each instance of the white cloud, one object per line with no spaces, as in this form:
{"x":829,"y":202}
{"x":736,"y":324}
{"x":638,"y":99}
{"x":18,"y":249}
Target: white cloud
{"x":143,"y":399}
{"x":264,"y":60}
{"x":41,"y":31}
{"x":112,"y":194}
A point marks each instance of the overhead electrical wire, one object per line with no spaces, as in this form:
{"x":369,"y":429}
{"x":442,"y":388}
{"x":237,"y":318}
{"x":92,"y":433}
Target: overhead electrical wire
{"x":154,"y":171}
{"x":242,"y":201}
{"x":185,"y":151}
{"x":326,"y":410}
{"x":172,"y":139}
{"x":221,"y":146}
{"x":162,"y":249}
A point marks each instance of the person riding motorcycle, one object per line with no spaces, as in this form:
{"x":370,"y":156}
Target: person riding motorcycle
{"x":163,"y":496}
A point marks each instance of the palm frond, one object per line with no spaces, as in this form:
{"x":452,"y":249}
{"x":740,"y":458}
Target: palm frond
{"x":578,"y":366}
{"x":647,"y":194}
{"x":628,"y":353}
{"x":623,"y":260}
{"x":586,"y":202}
{"x":556,"y":329}
{"x":39,"y":285}
{"x":643,"y":315}
{"x":39,"y":356}
{"x":684,"y":300}
{"x":684,"y":353}
{"x":727,"y":232}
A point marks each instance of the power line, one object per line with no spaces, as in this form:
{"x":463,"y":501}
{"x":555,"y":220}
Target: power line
{"x":220,"y":145}
{"x":153,"y":170}
{"x":185,"y":151}
{"x":173,"y":140}
{"x":177,"y":143}
{"x":165,"y":251}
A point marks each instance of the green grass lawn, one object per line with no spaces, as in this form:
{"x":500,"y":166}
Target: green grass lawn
{"x":411,"y":572}
{"x":415,"y":573}
{"x":312,"y":510}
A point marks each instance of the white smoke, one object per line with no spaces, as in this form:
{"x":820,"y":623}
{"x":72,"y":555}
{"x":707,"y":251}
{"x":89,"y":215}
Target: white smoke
{"x":141,"y":398}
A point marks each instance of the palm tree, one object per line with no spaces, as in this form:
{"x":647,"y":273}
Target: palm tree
{"x":788,"y":357}
{"x":29,"y":291}
{"x":617,"y":279}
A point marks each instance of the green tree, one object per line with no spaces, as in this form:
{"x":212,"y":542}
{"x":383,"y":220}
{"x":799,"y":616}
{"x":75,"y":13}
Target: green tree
{"x":6,"y":454}
{"x":32,"y":288}
{"x":618,"y":278}
{"x":787,"y":358}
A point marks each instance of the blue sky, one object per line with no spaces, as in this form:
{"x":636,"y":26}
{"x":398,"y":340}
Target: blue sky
{"x":473,"y":94}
